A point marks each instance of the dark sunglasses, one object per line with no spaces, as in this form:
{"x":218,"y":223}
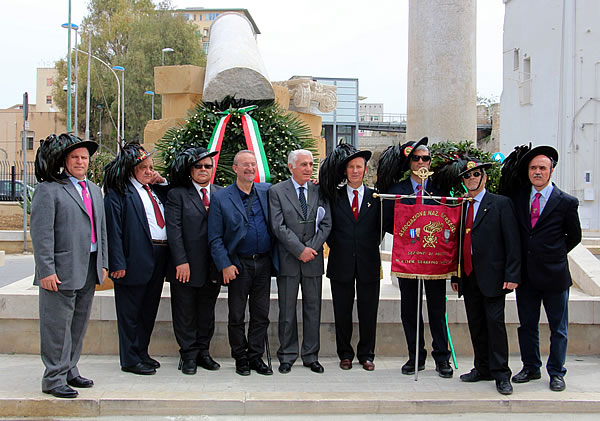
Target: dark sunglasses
{"x":206,"y":166}
{"x":472,"y":174}
{"x":424,"y":158}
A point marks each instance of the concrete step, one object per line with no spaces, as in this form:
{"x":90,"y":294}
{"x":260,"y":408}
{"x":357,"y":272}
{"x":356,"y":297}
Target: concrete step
{"x":383,"y":391}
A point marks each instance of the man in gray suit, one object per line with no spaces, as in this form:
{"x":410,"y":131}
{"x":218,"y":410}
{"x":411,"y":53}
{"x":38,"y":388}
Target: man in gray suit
{"x":68,"y":231}
{"x":301,"y":222}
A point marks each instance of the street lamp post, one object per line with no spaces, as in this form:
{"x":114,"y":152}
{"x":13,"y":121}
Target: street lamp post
{"x":118,"y":95}
{"x":99,"y":106}
{"x":151,"y":93}
{"x":69,"y":71}
{"x":76,"y":81}
{"x":122,"y":70}
{"x":166,"y":50}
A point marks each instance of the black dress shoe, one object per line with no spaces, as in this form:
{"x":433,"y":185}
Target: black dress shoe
{"x":557,"y":383}
{"x":151,"y":362}
{"x":81,"y":382}
{"x":409,"y":367}
{"x":139,"y":368}
{"x":525,"y":375}
{"x":504,"y":387}
{"x":207,"y":363}
{"x":474,"y":376}
{"x":285,"y":368}
{"x":260,"y":367}
{"x":315,"y":367}
{"x":63,"y":391}
{"x":187,"y":366}
{"x":242,"y":367}
{"x":444,"y":370}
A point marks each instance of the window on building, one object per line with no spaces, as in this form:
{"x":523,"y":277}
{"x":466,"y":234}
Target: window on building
{"x":49,"y":81}
{"x":200,"y":17}
{"x":29,"y":141}
{"x":194,"y":16}
{"x":186,"y":16}
{"x":211,"y":16}
{"x":516,"y":59}
{"x":205,"y":47}
{"x":48,"y":99}
{"x":205,"y":32}
{"x":527,"y":68}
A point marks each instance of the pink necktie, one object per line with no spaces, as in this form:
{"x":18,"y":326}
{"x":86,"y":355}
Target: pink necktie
{"x":535,"y":209}
{"x":87,"y":201}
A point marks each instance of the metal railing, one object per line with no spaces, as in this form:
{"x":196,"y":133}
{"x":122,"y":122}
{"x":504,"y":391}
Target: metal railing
{"x":11,"y":180}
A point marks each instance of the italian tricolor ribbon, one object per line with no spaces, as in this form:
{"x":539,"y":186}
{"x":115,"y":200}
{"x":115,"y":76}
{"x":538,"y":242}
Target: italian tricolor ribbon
{"x":254,"y":142}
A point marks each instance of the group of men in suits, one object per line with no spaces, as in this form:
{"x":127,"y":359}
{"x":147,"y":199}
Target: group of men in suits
{"x":254,"y":230}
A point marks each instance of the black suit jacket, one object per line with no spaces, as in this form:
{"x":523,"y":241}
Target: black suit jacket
{"x":545,"y":247}
{"x":403,"y":187}
{"x":496,"y":245}
{"x":354,"y":245}
{"x":187,"y":232}
{"x":129,"y":239}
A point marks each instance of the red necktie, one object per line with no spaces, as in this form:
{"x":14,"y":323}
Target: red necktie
{"x":419,"y":190}
{"x":535,"y":209}
{"x":467,"y":240}
{"x":87,"y":201}
{"x":355,"y":205}
{"x":205,"y":197}
{"x":157,"y":213}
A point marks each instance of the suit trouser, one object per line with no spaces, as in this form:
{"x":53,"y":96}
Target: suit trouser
{"x":287,"y":290}
{"x":435,"y":291}
{"x":64,"y":319}
{"x":193,"y":310}
{"x":556,"y":305}
{"x":485,"y":316}
{"x":252,"y":285}
{"x":367,"y":304}
{"x":137,"y":306}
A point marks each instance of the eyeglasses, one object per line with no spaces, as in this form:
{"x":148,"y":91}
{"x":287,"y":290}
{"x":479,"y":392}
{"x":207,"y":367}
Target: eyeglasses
{"x":424,"y":158}
{"x":206,"y":166}
{"x":474,"y":174}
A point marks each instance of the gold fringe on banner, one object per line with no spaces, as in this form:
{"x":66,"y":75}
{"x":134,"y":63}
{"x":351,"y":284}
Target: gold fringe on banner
{"x":419,"y":276}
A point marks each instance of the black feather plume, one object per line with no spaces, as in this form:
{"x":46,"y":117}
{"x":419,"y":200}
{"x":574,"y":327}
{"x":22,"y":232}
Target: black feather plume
{"x":331,"y":171}
{"x":390,"y":168}
{"x":118,"y":171}
{"x":511,"y":180}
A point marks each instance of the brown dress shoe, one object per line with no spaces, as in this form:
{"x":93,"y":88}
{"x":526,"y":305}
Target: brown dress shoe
{"x":346,"y":364}
{"x":368,"y":365}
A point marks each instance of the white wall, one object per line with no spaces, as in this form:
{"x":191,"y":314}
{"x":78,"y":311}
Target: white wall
{"x":561,"y":38}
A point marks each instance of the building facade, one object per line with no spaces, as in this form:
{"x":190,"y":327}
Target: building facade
{"x":551,"y":93}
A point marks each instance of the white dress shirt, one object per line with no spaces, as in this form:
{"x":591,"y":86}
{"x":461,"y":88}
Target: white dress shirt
{"x":156,"y":232}
{"x":361,"y":193}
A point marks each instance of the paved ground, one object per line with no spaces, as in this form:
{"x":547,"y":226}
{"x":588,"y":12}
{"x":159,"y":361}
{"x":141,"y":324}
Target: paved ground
{"x":16,"y":267}
{"x":384,"y":391}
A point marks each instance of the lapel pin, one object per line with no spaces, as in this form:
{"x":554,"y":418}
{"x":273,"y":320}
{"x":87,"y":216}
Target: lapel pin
{"x":368,"y":204}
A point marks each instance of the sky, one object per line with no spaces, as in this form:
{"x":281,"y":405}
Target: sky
{"x":320,"y":38}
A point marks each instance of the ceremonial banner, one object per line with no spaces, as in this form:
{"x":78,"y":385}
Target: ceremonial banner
{"x":425,"y":241}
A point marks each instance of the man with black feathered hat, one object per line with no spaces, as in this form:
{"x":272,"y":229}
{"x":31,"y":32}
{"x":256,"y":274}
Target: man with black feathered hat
{"x":491,"y":263}
{"x":550,"y":229}
{"x":68,"y":231}
{"x":138,"y":251}
{"x":194,"y":279}
{"x":354,"y":263}
{"x":414,"y":156}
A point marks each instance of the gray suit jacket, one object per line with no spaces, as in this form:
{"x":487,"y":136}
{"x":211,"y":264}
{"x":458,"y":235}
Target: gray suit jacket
{"x":293,"y":232}
{"x":61,"y":232}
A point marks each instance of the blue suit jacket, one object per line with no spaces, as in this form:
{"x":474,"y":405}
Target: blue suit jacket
{"x":129,"y":239}
{"x":228,"y":224}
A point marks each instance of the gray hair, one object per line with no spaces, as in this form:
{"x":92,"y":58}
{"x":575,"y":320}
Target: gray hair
{"x":421,"y":148}
{"x":293,"y":156}
{"x":243,"y":151}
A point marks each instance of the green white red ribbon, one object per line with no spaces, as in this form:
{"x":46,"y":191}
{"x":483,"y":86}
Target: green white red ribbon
{"x":254,"y":141}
